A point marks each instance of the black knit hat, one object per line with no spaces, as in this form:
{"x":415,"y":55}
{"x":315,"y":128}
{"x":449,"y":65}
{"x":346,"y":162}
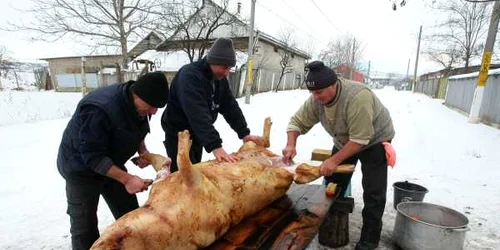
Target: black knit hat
{"x":319,"y":76}
{"x":152,"y":88}
{"x":222,"y":53}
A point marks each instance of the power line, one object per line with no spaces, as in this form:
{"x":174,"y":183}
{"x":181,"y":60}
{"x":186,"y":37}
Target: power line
{"x":284,"y":19}
{"x":317,"y":7}
{"x":480,"y":1}
{"x":297,"y":14}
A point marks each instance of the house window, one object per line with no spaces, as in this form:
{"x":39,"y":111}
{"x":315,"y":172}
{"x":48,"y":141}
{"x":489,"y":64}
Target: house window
{"x":293,"y":56}
{"x":275,"y":49}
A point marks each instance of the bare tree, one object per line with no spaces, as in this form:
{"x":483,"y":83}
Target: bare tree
{"x":457,"y":38}
{"x":3,"y":51}
{"x":101,"y":24}
{"x":340,"y":51}
{"x":308,"y":45}
{"x":196,"y":23}
{"x":286,"y":35}
{"x":8,"y":66}
{"x":261,"y":61}
{"x":446,"y":57}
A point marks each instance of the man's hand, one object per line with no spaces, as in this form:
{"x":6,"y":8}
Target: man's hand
{"x":288,"y":153}
{"x":255,"y":138}
{"x":327,"y":167}
{"x":221,"y":155}
{"x":135,"y":184}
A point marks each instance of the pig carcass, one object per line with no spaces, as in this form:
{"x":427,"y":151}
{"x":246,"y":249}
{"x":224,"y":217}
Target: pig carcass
{"x":195,"y":206}
{"x":192,"y":208}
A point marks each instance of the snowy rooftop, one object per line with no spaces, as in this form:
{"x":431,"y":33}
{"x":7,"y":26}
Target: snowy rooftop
{"x":475,"y":74}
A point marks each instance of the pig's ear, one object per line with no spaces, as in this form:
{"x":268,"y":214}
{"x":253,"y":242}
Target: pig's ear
{"x":191,"y":176}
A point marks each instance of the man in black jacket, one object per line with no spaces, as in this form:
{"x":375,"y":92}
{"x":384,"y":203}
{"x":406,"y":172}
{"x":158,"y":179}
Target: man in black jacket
{"x":199,"y":92}
{"x":107,"y":128}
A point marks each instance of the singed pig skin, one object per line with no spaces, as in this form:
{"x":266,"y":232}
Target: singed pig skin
{"x":195,"y":206}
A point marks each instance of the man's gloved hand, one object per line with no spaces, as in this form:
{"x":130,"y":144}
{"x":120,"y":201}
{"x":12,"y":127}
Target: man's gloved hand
{"x":288,"y":153}
{"x":221,"y":155}
{"x":135,"y":184}
{"x":255,"y":138}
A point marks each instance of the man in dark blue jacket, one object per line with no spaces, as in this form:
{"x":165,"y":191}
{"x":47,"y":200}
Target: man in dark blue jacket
{"x":200,"y":91}
{"x":107,"y":128}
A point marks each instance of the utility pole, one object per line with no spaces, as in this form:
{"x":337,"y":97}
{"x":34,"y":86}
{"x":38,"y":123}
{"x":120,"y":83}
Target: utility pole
{"x":84,"y":80}
{"x":485,"y":65}
{"x":248,"y":86}
{"x":416,"y":60}
{"x":352,"y":58}
{"x":407,"y":72}
{"x":368,"y":74}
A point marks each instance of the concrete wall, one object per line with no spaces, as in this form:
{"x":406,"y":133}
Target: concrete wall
{"x":268,"y":58}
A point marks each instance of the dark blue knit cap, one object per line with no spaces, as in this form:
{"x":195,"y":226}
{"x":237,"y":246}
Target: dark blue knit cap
{"x":319,"y":76}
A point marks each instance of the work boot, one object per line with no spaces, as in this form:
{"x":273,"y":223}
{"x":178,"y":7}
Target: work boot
{"x":365,"y":245}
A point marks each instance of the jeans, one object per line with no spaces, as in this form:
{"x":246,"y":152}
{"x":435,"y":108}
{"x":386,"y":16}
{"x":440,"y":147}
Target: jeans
{"x":83,"y":199}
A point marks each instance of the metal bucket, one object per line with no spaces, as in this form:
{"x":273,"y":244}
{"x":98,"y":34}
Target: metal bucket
{"x":407,"y":191}
{"x":421,"y":225}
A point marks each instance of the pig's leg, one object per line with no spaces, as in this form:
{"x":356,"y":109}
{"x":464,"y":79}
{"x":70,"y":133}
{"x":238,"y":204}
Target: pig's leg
{"x":267,"y":132}
{"x":191,"y":176}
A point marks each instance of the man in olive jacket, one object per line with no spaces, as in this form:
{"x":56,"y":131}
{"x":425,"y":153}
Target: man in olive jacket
{"x":199,"y":92}
{"x":359,"y":124}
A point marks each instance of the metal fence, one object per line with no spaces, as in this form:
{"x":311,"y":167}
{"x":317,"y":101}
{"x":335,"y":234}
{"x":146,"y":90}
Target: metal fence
{"x":490,"y":107}
{"x":460,"y":94}
{"x":263,"y":81}
{"x":429,"y":87}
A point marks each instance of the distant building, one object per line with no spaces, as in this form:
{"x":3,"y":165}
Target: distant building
{"x":345,"y":72}
{"x":65,"y":72}
{"x":267,"y":54}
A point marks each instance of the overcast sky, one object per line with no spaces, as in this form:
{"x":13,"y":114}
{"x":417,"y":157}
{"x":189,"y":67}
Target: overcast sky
{"x":389,"y":37}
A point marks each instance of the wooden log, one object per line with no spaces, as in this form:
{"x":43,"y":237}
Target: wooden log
{"x":288,"y":223}
{"x":334,"y":231}
{"x":320,"y":154}
{"x":312,"y":209}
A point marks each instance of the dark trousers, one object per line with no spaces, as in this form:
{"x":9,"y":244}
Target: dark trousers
{"x":82,"y":207}
{"x":374,"y":169}
{"x":171,"y":146}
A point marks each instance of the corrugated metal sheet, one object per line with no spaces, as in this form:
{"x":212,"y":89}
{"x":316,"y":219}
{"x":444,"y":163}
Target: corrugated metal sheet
{"x":490,"y":107}
{"x":461,"y":90}
{"x":75,"y":80}
{"x":460,"y":93}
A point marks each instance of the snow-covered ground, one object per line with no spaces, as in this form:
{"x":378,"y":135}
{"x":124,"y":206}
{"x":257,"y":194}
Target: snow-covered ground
{"x":437,"y":148}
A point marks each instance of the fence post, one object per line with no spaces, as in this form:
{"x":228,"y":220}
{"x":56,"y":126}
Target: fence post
{"x":272,"y":84}
{"x":284,"y":81}
{"x":258,"y":83}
